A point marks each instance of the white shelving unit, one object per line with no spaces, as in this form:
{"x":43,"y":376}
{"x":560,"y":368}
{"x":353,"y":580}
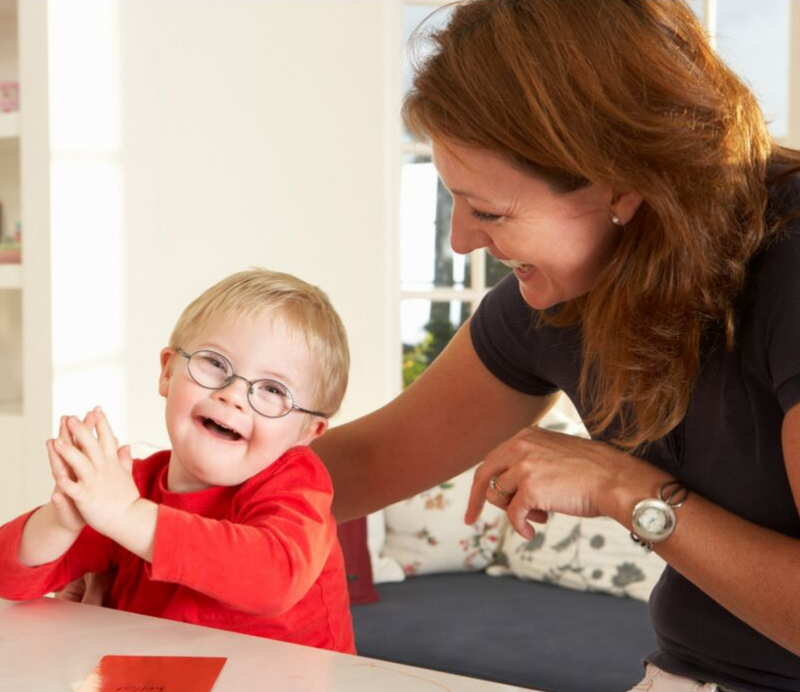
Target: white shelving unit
{"x":9,"y":126}
{"x":11,"y":337}
{"x":10,"y":277}
{"x":24,"y":288}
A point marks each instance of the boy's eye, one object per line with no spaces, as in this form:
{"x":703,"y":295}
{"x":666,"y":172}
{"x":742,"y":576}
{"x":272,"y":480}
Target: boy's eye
{"x":213,"y":362}
{"x":484,"y":217}
{"x":271,"y":388}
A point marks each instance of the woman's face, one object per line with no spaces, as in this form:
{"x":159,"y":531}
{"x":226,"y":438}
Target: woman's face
{"x":557,"y":243}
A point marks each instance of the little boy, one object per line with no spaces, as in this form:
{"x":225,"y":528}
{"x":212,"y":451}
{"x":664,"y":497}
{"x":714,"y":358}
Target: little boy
{"x":231,"y":528}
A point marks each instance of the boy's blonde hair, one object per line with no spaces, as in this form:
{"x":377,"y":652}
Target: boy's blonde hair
{"x":305,"y":308}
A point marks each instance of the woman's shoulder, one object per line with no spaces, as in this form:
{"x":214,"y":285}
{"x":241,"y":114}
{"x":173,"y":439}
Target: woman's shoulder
{"x":783,"y":205}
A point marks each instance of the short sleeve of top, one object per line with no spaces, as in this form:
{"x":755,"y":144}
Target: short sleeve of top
{"x":776,"y":299}
{"x":508,"y":341}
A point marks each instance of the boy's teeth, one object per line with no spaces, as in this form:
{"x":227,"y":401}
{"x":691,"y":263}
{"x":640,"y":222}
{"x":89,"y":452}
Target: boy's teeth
{"x":221,"y":429}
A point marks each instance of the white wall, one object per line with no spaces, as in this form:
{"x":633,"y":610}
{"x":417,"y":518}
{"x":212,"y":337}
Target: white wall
{"x":192,"y":139}
{"x":253,"y":136}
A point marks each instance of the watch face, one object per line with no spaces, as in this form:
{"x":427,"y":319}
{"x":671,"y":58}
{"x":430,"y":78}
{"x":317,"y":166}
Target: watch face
{"x":653,"y":520}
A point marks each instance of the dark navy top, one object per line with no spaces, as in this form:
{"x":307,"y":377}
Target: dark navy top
{"x":727,"y":449}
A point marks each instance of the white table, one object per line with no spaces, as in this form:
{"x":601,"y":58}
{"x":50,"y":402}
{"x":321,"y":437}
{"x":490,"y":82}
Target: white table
{"x":49,"y":645}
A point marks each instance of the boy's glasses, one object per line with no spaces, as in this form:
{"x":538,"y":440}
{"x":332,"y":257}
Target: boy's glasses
{"x":269,"y":398}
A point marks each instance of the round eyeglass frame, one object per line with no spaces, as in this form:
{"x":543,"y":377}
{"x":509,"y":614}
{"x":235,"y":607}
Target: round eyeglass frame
{"x":250,"y":384}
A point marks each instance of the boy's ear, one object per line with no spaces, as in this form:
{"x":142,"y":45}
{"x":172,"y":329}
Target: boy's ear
{"x":315,"y":429}
{"x":166,"y":370}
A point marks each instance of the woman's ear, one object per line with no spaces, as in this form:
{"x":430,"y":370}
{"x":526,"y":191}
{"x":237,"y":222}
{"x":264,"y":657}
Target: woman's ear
{"x":166,"y":370}
{"x":624,"y":205}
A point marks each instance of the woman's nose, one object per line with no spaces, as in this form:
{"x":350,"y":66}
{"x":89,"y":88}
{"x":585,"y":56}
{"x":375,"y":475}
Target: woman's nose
{"x":464,"y":236}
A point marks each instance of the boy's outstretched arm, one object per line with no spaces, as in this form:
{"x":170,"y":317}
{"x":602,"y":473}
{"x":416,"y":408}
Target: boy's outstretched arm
{"x":103,"y":488}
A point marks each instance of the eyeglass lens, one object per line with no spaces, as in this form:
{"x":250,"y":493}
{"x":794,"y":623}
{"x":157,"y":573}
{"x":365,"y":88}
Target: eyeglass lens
{"x":214,"y":371}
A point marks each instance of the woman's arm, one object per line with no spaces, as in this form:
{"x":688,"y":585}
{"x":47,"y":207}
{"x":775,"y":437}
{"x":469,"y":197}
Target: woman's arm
{"x":727,"y":557}
{"x":721,"y":553}
{"x":444,"y":423}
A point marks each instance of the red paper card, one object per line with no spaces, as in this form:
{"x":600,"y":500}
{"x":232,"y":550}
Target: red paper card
{"x":153,"y":674}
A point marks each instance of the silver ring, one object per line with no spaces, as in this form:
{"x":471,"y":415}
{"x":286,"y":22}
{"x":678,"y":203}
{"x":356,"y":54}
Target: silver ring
{"x":498,"y":489}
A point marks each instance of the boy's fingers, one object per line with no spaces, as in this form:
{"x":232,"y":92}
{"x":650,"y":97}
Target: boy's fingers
{"x":57,"y":467}
{"x":69,"y":488}
{"x":74,"y":458}
{"x":90,"y":420}
{"x":63,"y":433}
{"x":125,"y":458}
{"x":84,"y":440}
{"x":105,"y":435}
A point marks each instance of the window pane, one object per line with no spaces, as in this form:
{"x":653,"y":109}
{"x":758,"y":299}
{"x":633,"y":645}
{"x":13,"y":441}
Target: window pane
{"x":426,"y":258}
{"x":753,"y":38}
{"x":495,"y":270}
{"x":426,"y":328}
{"x":699,"y":8}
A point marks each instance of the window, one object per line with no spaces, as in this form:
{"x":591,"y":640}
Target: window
{"x":438,"y":288}
{"x":753,"y":37}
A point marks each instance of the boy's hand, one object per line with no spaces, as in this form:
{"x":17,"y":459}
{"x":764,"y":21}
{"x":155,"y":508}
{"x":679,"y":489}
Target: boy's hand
{"x":102,"y":489}
{"x":66,"y":513}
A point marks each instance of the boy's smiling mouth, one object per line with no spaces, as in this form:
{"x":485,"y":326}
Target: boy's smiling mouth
{"x":219,"y":430}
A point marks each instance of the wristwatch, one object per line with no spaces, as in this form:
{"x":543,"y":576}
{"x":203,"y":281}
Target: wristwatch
{"x":653,"y":519}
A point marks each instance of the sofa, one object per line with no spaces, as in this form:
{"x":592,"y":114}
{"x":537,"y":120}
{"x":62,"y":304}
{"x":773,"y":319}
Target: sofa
{"x":531,"y":635}
{"x":564,"y":612}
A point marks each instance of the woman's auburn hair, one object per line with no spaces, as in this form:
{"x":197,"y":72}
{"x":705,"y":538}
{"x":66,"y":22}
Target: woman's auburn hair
{"x":631,"y":94}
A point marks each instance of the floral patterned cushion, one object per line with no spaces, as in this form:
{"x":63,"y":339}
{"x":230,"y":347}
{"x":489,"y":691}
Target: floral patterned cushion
{"x":427,"y":534}
{"x":594,"y":554}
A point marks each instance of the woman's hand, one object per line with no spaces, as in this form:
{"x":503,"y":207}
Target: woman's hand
{"x":539,"y":471}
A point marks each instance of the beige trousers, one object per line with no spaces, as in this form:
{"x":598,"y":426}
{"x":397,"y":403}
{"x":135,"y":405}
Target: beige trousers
{"x":656,"y":680}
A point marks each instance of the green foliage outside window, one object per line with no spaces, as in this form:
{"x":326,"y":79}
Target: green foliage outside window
{"x":438,"y":332}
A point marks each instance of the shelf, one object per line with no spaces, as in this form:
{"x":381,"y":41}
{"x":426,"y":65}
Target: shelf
{"x":10,"y":277}
{"x":9,"y":125}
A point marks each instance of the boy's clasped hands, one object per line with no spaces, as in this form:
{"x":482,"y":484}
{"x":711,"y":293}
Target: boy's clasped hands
{"x":93,"y":476}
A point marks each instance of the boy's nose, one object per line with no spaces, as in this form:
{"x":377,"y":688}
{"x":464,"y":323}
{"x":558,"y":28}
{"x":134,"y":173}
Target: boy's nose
{"x":235,"y":393}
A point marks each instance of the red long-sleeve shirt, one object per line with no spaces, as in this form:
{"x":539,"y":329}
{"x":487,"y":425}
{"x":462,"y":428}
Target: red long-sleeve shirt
{"x":260,"y":558}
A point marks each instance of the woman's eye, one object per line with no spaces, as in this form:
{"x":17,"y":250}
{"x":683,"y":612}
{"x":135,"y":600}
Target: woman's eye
{"x":484,"y":217}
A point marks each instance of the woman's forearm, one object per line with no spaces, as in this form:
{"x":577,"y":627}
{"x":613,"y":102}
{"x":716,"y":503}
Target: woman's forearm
{"x":727,"y":557}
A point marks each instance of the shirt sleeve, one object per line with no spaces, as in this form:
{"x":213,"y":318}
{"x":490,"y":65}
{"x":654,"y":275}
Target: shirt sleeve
{"x":89,"y":553}
{"x":269,"y":554}
{"x":509,"y":342}
{"x":779,"y":303}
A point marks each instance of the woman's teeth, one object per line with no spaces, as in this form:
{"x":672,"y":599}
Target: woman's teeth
{"x":516,"y":264}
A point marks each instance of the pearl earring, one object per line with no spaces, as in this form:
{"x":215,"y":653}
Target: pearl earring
{"x":616,"y":220}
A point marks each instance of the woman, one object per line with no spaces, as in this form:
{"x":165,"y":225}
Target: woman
{"x":605,"y":153}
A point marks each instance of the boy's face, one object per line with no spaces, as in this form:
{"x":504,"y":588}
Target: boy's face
{"x":205,"y":455}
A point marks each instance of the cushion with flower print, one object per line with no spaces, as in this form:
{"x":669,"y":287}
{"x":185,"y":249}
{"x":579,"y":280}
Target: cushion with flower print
{"x":594,"y":554}
{"x":426,"y":533}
